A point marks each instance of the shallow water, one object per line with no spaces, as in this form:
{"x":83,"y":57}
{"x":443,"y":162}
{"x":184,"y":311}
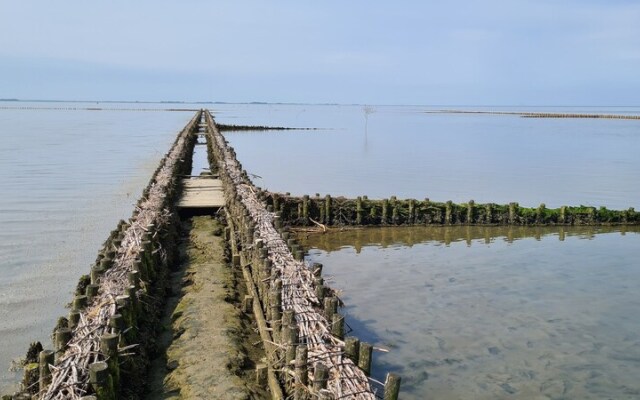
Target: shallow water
{"x":494,"y":313}
{"x":412,"y":154}
{"x":67,"y":178}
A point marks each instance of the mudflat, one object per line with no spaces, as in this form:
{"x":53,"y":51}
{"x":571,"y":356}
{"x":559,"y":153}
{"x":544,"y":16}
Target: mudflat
{"x":208,"y":345}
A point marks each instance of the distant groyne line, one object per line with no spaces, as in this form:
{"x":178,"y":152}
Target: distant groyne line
{"x":96,"y":109}
{"x":237,"y":128}
{"x":362,"y":211}
{"x":525,"y":114}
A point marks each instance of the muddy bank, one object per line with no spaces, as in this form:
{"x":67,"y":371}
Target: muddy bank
{"x":209,"y":348}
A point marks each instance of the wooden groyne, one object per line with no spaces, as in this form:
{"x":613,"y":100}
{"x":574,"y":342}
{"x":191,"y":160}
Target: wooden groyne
{"x":341,"y":211}
{"x":102,"y":348}
{"x":297,"y":315}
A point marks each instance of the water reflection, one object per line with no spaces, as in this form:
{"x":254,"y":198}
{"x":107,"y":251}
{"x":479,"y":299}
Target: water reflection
{"x":409,"y":236}
{"x":494,"y":313}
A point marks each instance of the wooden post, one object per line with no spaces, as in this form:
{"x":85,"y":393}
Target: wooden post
{"x":96,"y":272}
{"x":63,"y":335}
{"x":101,"y":381}
{"x":275,"y":299}
{"x":327,"y":211}
{"x":385,"y":212}
{"x":359,"y":211}
{"x":448,"y":212}
{"x":305,"y":208}
{"x":337,"y":326}
{"x":116,"y":323}
{"x":513,"y":213}
{"x":31,"y":378}
{"x":563,"y":215}
{"x":91,"y":291}
{"x":79,"y":302}
{"x":109,"y":347}
{"x":330,"y":308}
{"x":292,"y":343}
{"x":134,"y":279}
{"x":45,"y":359}
{"x":411,"y":217}
{"x":74,"y":318}
{"x":301,"y":372}
{"x":364,"y":358}
{"x":540,"y":213}
{"x":392,"y":387}
{"x":352,"y":348}
{"x":320,"y":376}
{"x":488,"y":211}
{"x":395,"y":213}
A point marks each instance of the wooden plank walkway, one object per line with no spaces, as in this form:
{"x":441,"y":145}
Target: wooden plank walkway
{"x":201,"y":193}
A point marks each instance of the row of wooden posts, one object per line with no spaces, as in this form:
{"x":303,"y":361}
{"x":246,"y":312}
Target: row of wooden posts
{"x":264,"y":300}
{"x":327,"y":210}
{"x":145,"y":281}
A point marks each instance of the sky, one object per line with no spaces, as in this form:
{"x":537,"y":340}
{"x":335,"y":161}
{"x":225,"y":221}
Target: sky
{"x":459,"y":52}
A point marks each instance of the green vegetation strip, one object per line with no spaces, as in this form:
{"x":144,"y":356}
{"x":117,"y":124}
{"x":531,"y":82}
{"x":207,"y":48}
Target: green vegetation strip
{"x":341,"y":211}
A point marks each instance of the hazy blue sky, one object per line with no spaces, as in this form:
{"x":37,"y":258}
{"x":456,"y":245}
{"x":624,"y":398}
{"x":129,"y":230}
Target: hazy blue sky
{"x":538,"y":52}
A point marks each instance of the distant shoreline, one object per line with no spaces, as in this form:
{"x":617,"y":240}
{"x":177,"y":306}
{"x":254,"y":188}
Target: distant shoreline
{"x":525,"y":114}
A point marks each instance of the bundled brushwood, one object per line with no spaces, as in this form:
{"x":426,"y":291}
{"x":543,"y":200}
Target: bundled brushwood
{"x":91,"y":355}
{"x":298,"y":324}
{"x":341,"y":211}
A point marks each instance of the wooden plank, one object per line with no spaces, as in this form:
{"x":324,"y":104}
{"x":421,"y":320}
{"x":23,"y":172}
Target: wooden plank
{"x":201,"y":193}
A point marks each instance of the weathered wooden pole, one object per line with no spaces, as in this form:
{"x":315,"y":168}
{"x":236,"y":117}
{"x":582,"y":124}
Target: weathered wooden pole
{"x":63,"y":335}
{"x":448,"y":212}
{"x":101,"y":381}
{"x":364,"y":357}
{"x":330,"y":308}
{"x":109,"y":348}
{"x":392,"y":387}
{"x":337,"y":326}
{"x":488,"y":213}
{"x":352,"y":348}
{"x":305,"y":209}
{"x":45,"y":359}
{"x":327,"y":210}
{"x":470,"y":211}
{"x":513,"y":212}
{"x":302,"y":373}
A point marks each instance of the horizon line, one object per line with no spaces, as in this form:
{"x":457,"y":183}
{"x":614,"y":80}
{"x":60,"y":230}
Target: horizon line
{"x":305,"y":103}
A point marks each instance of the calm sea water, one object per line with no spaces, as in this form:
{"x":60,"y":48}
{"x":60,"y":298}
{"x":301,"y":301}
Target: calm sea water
{"x":69,"y":176}
{"x":411,"y":154}
{"x":494,"y":313}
